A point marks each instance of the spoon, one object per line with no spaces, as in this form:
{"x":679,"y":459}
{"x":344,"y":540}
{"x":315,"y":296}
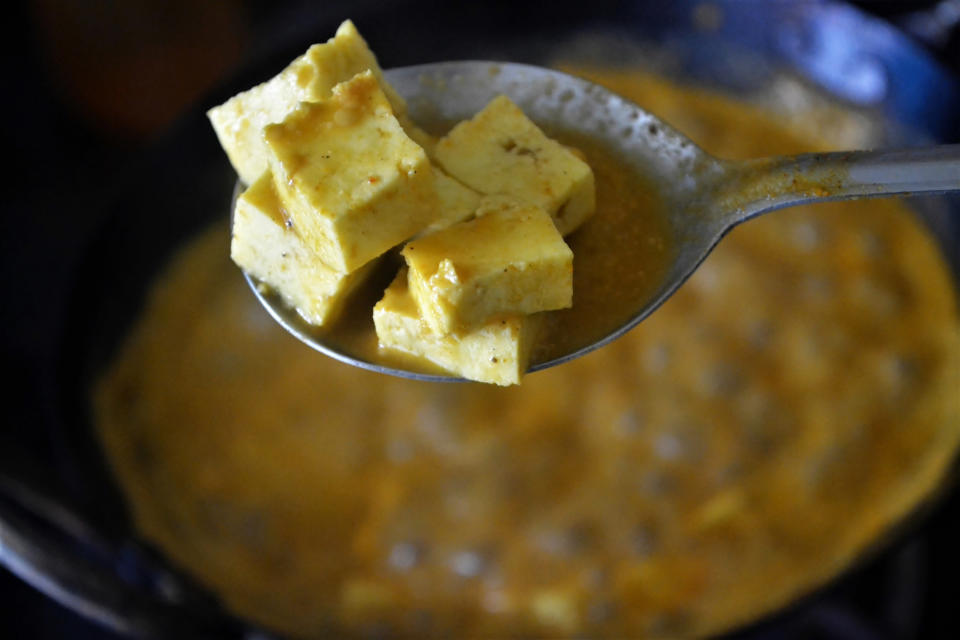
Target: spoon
{"x":704,"y":197}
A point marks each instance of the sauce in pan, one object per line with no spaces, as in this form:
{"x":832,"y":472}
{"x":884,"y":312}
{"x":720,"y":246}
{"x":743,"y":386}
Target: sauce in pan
{"x":793,"y":400}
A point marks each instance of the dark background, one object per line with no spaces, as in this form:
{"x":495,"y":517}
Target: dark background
{"x":90,"y":86}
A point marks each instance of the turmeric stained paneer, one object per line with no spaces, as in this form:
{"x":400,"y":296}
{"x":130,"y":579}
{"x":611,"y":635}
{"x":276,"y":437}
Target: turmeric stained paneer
{"x":265,"y":247}
{"x":339,"y":175}
{"x":457,"y":202}
{"x":496,"y":352}
{"x":510,"y":259}
{"x":353,"y":183}
{"x":239,"y":122}
{"x":501,"y":151}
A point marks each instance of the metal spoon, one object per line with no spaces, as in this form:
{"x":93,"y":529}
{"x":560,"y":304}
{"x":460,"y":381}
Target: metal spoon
{"x":705,"y":197}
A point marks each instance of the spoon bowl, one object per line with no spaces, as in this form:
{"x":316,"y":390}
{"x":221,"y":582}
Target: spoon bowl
{"x":704,"y":197}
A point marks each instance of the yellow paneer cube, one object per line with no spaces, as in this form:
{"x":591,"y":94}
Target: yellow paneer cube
{"x":510,"y":259}
{"x":418,"y":135}
{"x":353,"y":183}
{"x":456,"y":201}
{"x":496,"y":352}
{"x":264,"y":246}
{"x":500,"y":151}
{"x":239,"y":122}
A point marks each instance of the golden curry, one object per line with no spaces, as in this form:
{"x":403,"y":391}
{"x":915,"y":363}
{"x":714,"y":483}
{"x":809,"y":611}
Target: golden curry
{"x":794,"y":399}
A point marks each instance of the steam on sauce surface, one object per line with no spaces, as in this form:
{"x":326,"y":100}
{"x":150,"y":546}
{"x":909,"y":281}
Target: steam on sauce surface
{"x":739,"y":447}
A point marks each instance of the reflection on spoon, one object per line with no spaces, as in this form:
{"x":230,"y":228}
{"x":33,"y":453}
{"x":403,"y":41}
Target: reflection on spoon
{"x":700,"y":197}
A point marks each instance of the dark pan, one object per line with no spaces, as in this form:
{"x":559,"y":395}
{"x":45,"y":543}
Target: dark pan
{"x":80,"y":548}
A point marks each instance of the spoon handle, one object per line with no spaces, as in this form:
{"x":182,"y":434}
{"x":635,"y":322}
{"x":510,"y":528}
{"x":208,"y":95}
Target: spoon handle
{"x":765,"y":185}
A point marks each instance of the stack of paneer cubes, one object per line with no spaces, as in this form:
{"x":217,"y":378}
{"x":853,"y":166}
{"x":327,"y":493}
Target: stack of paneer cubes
{"x":338,"y":175}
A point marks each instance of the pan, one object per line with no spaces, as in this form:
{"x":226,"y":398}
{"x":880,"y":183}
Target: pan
{"x":81,"y":548}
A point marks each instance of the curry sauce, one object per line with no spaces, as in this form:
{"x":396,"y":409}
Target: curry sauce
{"x":796,"y":397}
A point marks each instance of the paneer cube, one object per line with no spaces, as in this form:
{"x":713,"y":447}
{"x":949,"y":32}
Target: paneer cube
{"x":510,"y":259}
{"x":239,"y":122}
{"x":353,"y":183}
{"x":456,"y":201}
{"x":501,"y":151}
{"x":496,"y":352}
{"x":426,"y":140}
{"x":264,"y":246}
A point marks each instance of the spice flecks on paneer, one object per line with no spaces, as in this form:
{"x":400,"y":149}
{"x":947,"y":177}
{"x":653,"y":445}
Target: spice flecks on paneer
{"x":510,"y":259}
{"x":353,"y":183}
{"x":239,"y":122}
{"x":496,"y":352}
{"x":501,"y":151}
{"x":264,"y":246}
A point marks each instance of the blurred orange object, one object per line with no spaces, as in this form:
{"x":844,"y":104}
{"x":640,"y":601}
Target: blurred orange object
{"x":129,"y":68}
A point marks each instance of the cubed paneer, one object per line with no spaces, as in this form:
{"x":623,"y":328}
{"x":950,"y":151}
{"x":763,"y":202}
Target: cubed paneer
{"x":418,"y":135}
{"x":501,"y":151}
{"x":456,"y":201}
{"x":264,"y":246}
{"x":353,"y":183}
{"x":510,"y":259}
{"x":497,"y":352}
{"x":239,"y":122}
